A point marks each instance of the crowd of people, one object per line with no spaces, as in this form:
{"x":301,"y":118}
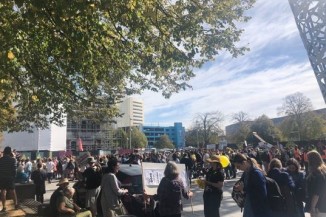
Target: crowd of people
{"x":299,"y":173}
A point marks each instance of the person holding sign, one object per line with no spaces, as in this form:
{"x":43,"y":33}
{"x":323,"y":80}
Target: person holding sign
{"x":169,"y":192}
{"x":213,"y":192}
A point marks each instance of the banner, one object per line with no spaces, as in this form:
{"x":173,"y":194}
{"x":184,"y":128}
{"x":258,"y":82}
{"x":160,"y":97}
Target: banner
{"x":154,"y":172}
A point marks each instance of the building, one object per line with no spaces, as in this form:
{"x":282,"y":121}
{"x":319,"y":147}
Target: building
{"x":103,"y":136}
{"x":132,"y":111}
{"x":176,"y":133}
{"x":43,"y":141}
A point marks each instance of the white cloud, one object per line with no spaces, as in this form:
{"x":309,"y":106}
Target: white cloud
{"x":255,"y":83}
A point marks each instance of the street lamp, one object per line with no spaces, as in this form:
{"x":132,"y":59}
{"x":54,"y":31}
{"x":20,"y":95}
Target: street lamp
{"x":130,"y":133}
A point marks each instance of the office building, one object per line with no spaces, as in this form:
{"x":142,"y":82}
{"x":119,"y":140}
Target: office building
{"x":176,"y":133}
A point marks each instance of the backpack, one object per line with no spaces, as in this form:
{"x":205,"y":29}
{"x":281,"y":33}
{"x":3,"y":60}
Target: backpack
{"x":238,"y":196}
{"x":275,"y":198}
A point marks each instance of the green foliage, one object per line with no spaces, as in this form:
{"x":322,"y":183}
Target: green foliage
{"x":265,"y":128}
{"x":313,"y":127}
{"x":164,"y":142}
{"x":59,"y":56}
{"x":138,"y":138}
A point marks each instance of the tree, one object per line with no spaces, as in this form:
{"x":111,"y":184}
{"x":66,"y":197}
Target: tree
{"x":265,"y":128}
{"x":240,"y":117}
{"x":313,"y":127}
{"x":60,"y":56}
{"x":138,"y":138}
{"x":164,"y":142}
{"x":296,"y":107}
{"x":209,"y":126}
{"x":242,"y":120}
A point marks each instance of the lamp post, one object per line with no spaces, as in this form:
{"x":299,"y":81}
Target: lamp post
{"x":130,"y":133}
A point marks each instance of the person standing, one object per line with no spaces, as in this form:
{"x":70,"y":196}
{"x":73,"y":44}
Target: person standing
{"x":49,"y":169}
{"x":316,"y":185}
{"x":253,"y":184}
{"x":169,"y":192}
{"x":39,"y":177}
{"x":293,"y":168}
{"x":213,"y":192}
{"x":7,"y":177}
{"x":28,"y":168}
{"x":92,"y":177}
{"x":287,"y":187}
{"x":111,"y":192}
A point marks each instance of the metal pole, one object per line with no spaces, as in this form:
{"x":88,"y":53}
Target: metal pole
{"x":130,"y":137}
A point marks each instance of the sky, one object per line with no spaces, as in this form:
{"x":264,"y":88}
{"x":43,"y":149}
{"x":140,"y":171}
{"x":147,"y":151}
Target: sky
{"x":276,"y":66}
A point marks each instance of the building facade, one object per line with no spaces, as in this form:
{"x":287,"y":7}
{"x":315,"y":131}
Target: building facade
{"x":132,"y":111}
{"x":42,"y":141}
{"x":176,"y":133}
{"x":103,"y":136}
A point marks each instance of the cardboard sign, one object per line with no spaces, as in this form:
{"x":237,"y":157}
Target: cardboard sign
{"x":154,"y":172}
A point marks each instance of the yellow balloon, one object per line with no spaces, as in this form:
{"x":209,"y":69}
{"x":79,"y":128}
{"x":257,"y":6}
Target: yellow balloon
{"x":224,"y":160}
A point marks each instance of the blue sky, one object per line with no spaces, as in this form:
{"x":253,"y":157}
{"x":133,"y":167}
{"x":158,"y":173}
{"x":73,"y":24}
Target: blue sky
{"x":277,"y":65}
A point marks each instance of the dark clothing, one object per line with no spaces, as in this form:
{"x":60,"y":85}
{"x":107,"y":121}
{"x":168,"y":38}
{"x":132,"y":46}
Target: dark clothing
{"x":212,"y":195}
{"x":287,"y":186}
{"x":55,"y":197}
{"x":39,"y":177}
{"x":169,"y":196}
{"x":7,"y":172}
{"x":256,"y":202}
{"x":8,"y":167}
{"x":299,"y":191}
{"x":316,"y":185}
{"x":92,"y":178}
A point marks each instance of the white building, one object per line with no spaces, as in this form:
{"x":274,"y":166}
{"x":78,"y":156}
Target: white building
{"x":132,"y":111}
{"x":51,"y":139}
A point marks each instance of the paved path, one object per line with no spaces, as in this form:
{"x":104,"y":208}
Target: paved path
{"x":228,"y":206}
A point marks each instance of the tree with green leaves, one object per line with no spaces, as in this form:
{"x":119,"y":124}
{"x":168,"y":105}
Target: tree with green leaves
{"x":138,"y":138}
{"x":60,"y":56}
{"x":164,"y":142}
{"x":266,"y":129}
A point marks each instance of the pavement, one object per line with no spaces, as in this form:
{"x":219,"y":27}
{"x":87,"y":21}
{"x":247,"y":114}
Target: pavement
{"x":191,"y":208}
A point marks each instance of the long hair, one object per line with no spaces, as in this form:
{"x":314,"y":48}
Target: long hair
{"x":315,"y":163}
{"x":294,"y":162}
{"x":241,"y":158}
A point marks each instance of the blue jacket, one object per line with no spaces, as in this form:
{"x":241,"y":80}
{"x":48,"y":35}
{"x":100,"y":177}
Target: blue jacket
{"x":256,"y":194}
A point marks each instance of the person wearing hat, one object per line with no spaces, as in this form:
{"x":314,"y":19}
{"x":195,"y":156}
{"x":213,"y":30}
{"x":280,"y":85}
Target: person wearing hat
{"x":92,"y":178}
{"x":57,"y":196}
{"x":213,"y":192}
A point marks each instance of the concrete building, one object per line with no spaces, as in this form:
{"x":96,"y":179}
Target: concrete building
{"x":42,"y":141}
{"x":176,"y":133}
{"x":132,"y":111}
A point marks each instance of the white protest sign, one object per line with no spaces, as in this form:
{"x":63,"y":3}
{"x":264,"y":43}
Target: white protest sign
{"x":154,"y":172}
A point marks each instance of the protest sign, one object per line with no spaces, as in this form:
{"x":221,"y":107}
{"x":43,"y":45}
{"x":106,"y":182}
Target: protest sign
{"x":154,"y":172}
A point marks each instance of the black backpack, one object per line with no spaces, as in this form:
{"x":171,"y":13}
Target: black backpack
{"x":275,"y":198}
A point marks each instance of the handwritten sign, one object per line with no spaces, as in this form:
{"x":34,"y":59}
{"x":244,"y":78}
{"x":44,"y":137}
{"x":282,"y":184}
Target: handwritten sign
{"x":154,"y":172}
